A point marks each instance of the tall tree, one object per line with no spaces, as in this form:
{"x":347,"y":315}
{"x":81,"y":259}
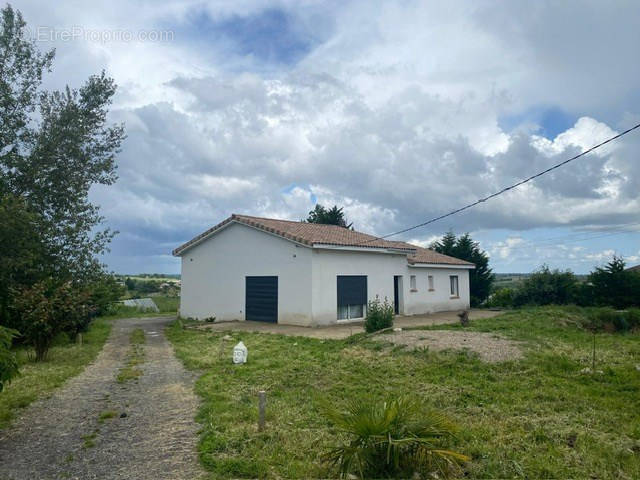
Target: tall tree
{"x":21,"y":68}
{"x":614,"y":285}
{"x":331,"y":216}
{"x":465,"y":248}
{"x":52,"y":158}
{"x":54,"y":146}
{"x":20,"y":250}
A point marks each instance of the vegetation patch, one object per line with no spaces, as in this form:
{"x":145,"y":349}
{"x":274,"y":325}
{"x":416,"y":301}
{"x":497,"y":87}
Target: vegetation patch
{"x":89,"y":440}
{"x":136,"y":357}
{"x":538,"y":416}
{"x":379,"y":315}
{"x":106,"y":415}
{"x":64,"y":360}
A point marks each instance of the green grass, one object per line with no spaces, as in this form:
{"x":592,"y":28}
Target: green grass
{"x":89,"y":441}
{"x":38,"y":379}
{"x":537,"y":417}
{"x":106,"y":415}
{"x":136,"y":357}
{"x":167,"y":304}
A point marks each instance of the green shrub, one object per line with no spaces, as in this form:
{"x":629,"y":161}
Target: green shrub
{"x":633,"y":317}
{"x":502,"y":297}
{"x":379,"y":315}
{"x":8,"y":362}
{"x":546,"y":287}
{"x":394,"y":439}
{"x":614,"y":285}
{"x":102,"y":293}
{"x":46,"y":310}
{"x":607,"y":319}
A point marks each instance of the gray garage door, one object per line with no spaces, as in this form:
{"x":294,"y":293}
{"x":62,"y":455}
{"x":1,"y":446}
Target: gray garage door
{"x":262,"y":299}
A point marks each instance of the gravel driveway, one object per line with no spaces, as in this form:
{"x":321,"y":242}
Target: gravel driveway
{"x":488,"y":346}
{"x":147,"y":429}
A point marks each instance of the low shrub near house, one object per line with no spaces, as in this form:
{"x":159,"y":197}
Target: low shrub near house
{"x":379,"y":315}
{"x":393,"y":439}
{"x":502,"y":297}
{"x":607,"y":319}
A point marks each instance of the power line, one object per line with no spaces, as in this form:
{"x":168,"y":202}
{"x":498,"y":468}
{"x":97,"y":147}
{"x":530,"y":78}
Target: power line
{"x":619,"y":229}
{"x":530,"y":245}
{"x":506,"y":189}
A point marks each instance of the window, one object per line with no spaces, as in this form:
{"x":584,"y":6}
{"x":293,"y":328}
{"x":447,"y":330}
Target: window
{"x":412,"y":282}
{"x":454,"y":285}
{"x":352,"y":296}
{"x":346,"y":312}
{"x":431,"y":283}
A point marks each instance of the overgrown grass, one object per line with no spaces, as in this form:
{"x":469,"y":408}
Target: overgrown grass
{"x":537,"y":417}
{"x":136,"y":356}
{"x":167,"y":304}
{"x":65,"y":360}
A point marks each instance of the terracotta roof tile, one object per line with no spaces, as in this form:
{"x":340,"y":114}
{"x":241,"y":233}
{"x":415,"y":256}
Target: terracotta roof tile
{"x":426,"y":255}
{"x":318,"y":234}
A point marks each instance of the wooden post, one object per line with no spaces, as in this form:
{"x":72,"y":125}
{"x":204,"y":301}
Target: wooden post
{"x":262,"y":403}
{"x":593,"y":357}
{"x":79,"y":339}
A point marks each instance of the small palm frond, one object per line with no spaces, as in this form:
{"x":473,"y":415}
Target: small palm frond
{"x":396,"y":437}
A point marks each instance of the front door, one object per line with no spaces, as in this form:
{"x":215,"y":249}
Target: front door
{"x":261,"y":299}
{"x":396,"y":293}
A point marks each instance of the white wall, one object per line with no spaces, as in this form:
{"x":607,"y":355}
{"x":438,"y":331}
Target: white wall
{"x":328,"y":264}
{"x":214,"y":271}
{"x":213,"y":278}
{"x":438,"y":300}
{"x":380,"y":268}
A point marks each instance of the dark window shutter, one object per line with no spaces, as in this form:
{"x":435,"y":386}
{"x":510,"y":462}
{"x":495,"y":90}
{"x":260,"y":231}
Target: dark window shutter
{"x":352,"y":290}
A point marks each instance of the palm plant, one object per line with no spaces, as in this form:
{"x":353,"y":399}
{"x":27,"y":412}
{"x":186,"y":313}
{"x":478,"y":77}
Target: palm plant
{"x":397,"y":438}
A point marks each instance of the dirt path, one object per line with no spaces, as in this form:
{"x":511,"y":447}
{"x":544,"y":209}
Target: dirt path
{"x":63,"y":437}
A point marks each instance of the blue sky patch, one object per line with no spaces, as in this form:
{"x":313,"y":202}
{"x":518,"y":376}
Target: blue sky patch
{"x":551,"y":120}
{"x":271,"y":36}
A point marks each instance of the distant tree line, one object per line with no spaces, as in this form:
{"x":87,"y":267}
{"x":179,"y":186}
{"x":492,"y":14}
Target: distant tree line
{"x":138,"y":287}
{"x":611,"y":285}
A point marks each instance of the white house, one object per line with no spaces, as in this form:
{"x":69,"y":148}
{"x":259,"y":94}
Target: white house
{"x":250,"y":268}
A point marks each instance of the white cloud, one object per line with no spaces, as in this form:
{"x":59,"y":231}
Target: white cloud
{"x":600,"y":256}
{"x":503,"y":249}
{"x":396,"y":113}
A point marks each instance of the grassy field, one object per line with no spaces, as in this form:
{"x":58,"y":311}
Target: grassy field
{"x":167,"y":304}
{"x":537,"y":417}
{"x":65,"y":360}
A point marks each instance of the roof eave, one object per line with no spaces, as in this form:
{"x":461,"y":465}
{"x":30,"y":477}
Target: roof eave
{"x":464,"y":266}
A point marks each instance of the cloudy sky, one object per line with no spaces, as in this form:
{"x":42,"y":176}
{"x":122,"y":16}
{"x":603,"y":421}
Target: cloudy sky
{"x":398,"y":111}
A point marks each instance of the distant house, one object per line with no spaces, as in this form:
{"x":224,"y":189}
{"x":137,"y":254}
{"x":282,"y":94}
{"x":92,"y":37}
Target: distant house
{"x":250,"y":268}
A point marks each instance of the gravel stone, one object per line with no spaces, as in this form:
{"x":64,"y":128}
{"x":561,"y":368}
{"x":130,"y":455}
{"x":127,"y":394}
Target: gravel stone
{"x":490,"y":347}
{"x":60,"y":437}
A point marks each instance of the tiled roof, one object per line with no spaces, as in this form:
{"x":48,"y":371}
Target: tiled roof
{"x":634,"y":269}
{"x":319,"y":234}
{"x":426,"y":255}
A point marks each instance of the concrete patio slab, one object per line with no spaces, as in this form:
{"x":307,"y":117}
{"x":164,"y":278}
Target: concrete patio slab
{"x":341,"y":330}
